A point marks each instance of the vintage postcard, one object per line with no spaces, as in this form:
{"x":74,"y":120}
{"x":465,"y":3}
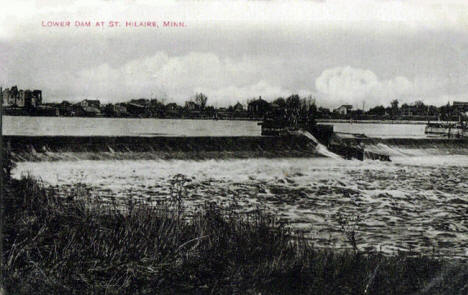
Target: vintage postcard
{"x":234,"y":147}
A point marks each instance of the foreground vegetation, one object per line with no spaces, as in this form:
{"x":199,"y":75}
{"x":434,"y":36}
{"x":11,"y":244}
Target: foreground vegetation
{"x":63,"y":245}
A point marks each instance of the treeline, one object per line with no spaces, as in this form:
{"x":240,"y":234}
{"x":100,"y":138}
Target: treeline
{"x":255,"y":109}
{"x":414,"y":111}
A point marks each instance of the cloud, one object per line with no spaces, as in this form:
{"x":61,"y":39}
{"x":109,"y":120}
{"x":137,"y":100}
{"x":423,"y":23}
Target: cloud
{"x":223,"y":80}
{"x":238,"y":50}
{"x":355,"y":85}
{"x":234,"y":94}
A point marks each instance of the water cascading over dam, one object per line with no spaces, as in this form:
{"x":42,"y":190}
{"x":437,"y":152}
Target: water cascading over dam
{"x":50,"y":148}
{"x":299,"y":144}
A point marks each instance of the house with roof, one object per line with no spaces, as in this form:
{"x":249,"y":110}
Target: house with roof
{"x":15,"y":97}
{"x":343,"y":109}
{"x":461,"y":106}
{"x":191,"y":106}
{"x":258,"y":107}
{"x":94,"y":103}
{"x":9,"y":96}
{"x":238,"y":107}
{"x":87,"y":108}
{"x":408,"y":110}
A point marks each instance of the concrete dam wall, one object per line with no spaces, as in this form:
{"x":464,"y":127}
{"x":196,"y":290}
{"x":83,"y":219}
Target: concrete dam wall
{"x":43,"y":148}
{"x":53,"y":148}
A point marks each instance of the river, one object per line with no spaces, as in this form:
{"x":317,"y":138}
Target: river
{"x":78,"y":126}
{"x":418,"y":202}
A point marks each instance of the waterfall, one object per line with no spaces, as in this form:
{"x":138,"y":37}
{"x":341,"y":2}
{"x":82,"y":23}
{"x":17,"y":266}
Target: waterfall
{"x":320,"y":148}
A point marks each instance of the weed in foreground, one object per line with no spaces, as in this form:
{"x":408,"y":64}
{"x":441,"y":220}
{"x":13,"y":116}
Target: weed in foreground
{"x":76,"y":245}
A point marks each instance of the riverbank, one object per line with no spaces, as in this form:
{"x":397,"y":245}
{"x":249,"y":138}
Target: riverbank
{"x":78,"y":244}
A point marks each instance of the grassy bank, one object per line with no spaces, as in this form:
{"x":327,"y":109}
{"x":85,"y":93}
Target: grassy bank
{"x":56,"y":245}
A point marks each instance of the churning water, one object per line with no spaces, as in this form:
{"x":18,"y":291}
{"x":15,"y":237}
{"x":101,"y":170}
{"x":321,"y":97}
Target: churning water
{"x":411,"y":203}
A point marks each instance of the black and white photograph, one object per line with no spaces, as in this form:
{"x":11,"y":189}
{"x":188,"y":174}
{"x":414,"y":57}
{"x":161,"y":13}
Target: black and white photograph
{"x":234,"y":147}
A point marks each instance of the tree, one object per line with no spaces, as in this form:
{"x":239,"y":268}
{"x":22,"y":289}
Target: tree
{"x":210,"y":111}
{"x":394,"y":105}
{"x":446,"y":112}
{"x":310,"y":105}
{"x":280,"y":102}
{"x":433,"y":111}
{"x":293,"y":102}
{"x":378,"y":110}
{"x":201,"y":99}
{"x":324,"y":110}
{"x":419,"y":104}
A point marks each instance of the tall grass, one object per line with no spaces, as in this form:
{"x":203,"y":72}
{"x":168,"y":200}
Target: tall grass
{"x":65,"y":245}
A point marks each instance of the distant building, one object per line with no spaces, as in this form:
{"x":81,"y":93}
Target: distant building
{"x":115,"y":110}
{"x":223,"y":113}
{"x":13,"y":95}
{"x":21,"y":98}
{"x":140,"y":101}
{"x":91,"y":111}
{"x":65,"y":108}
{"x":87,"y":108}
{"x":135,"y":109}
{"x":120,"y":109}
{"x":462,"y":106}
{"x":258,"y":107}
{"x":48,"y":110}
{"x":172,"y":110}
{"x":36,"y":99}
{"x":238,"y":107}
{"x":191,"y":106}
{"x":94,"y":103}
{"x":8,"y":98}
{"x":343,"y":109}
{"x":407,"y":110}
{"x":171,"y":107}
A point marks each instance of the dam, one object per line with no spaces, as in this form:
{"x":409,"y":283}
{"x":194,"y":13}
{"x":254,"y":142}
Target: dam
{"x":37,"y":148}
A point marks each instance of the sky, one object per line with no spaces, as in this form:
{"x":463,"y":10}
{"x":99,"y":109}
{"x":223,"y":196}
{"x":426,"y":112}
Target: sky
{"x":364,"y":52}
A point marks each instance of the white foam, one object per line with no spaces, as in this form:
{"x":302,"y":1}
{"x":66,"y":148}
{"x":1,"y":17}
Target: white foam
{"x":396,"y":201}
{"x":320,"y":148}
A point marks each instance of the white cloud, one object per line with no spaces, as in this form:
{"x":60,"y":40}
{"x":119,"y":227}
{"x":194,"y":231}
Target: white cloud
{"x":239,"y":49}
{"x":223,"y":80}
{"x":354,"y":85}
{"x":227,"y":80}
{"x":233,"y":94}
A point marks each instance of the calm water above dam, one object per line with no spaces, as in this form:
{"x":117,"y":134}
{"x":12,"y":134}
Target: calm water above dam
{"x":77,"y":126}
